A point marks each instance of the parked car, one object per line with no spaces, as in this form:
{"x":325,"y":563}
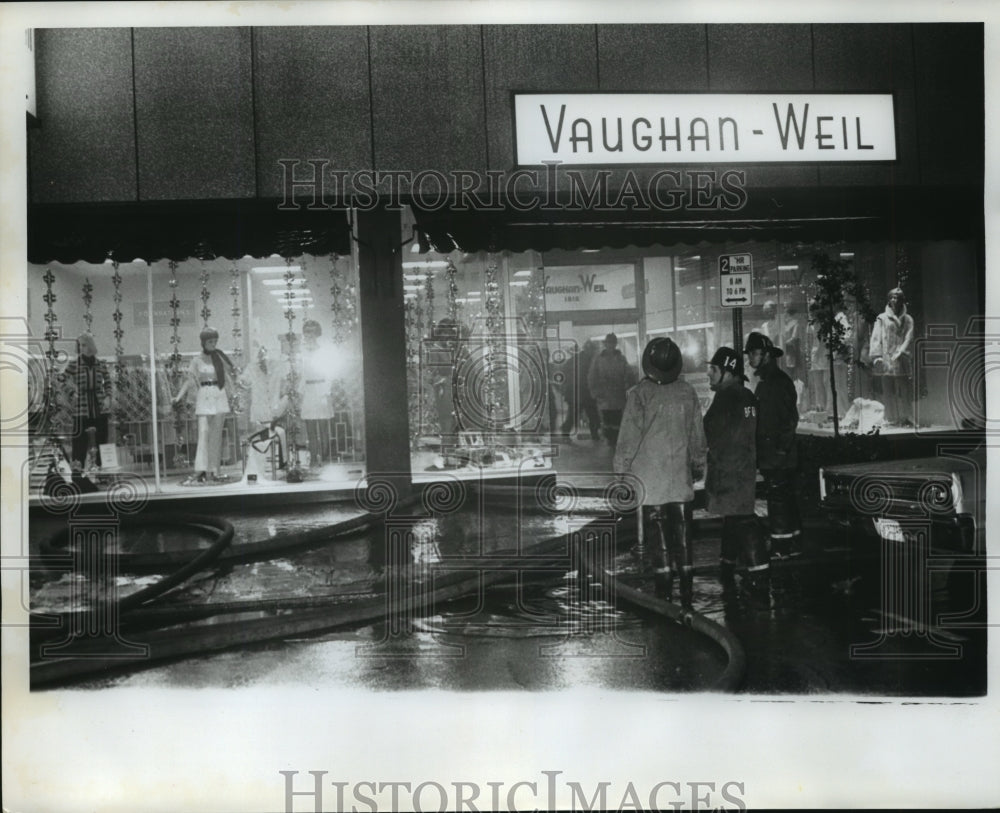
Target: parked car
{"x":898,"y":501}
{"x":948,"y":490}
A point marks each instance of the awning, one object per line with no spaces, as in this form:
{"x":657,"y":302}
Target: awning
{"x":181,"y":230}
{"x":785,"y":215}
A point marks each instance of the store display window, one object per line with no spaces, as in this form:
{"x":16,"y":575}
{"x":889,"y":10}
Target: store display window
{"x":473,"y":384}
{"x":199,"y":374}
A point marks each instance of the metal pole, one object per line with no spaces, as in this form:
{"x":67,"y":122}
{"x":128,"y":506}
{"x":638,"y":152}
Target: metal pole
{"x":738,"y":330}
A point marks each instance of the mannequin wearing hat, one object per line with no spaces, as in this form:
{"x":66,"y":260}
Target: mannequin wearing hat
{"x":662,"y":443}
{"x":777,"y":420}
{"x":209,"y":375}
{"x":731,"y":478}
{"x":892,"y":337}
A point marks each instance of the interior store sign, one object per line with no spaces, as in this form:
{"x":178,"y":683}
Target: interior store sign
{"x":162,"y":313}
{"x":699,"y":128}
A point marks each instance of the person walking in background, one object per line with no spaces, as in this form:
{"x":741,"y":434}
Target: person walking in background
{"x":777,"y":460}
{"x":587,"y":403}
{"x":609,"y":379}
{"x":662,"y":443}
{"x":731,"y":478}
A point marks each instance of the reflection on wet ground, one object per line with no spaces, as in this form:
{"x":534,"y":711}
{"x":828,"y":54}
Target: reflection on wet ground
{"x":541,"y":627}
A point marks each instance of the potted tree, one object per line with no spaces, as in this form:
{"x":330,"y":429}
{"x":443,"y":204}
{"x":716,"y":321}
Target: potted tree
{"x":836,"y":289}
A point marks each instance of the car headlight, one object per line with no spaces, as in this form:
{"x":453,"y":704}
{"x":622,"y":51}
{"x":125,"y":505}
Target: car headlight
{"x":957,"y":494}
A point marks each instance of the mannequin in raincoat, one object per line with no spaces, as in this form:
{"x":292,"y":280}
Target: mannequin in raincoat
{"x":891,"y":343}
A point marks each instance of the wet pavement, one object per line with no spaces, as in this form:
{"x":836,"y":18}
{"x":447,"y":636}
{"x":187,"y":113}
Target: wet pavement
{"x":824,"y":628}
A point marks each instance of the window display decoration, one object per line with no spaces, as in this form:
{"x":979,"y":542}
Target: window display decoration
{"x":902,"y":268}
{"x":450,"y":273}
{"x":88,"y":298}
{"x":494,"y":345}
{"x":294,"y":470}
{"x":175,"y":373}
{"x":206,"y":312}
{"x":119,"y":334}
{"x":238,"y":398}
{"x":343,"y":309}
{"x":57,"y":408}
{"x":419,"y":404}
{"x":535,"y":316}
{"x":234,"y":291}
{"x":429,"y":296}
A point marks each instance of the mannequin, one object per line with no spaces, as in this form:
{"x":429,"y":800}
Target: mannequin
{"x":892,"y":338}
{"x":209,"y":374}
{"x":820,"y":392}
{"x":93,"y":402}
{"x":769,"y":327}
{"x":268,"y":402}
{"x":793,"y":342}
{"x":317,"y":390}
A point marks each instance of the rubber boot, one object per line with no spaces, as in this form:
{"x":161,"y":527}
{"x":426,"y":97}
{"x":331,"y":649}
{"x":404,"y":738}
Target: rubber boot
{"x":663,"y":584}
{"x":727,"y":577}
{"x":678,"y":528}
{"x":663,"y":576}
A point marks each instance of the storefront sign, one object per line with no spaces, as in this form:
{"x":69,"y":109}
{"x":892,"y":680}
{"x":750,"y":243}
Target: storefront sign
{"x":699,"y":128}
{"x":736,"y":283}
{"x":162,"y":313}
{"x":583,"y":287}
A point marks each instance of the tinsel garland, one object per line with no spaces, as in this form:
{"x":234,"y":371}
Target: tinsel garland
{"x":118,"y":333}
{"x":238,"y":399}
{"x":206,"y":311}
{"x":292,"y":378}
{"x":536,"y":300}
{"x":494,"y":344}
{"x":429,"y":296}
{"x":343,"y":307}
{"x":237,"y":331}
{"x":414,"y":389}
{"x":88,"y":298}
{"x":175,"y":372}
{"x":902,"y":267}
{"x":452,"y":296}
{"x":55,"y":400}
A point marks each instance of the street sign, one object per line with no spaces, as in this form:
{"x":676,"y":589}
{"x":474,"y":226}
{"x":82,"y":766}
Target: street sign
{"x":736,"y":280}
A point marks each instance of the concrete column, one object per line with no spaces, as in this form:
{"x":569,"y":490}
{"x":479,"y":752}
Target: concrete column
{"x":383,"y":346}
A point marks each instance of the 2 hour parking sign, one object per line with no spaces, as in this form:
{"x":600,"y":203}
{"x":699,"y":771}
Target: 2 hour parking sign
{"x":736,"y":283}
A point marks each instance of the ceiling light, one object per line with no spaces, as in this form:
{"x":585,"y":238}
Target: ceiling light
{"x":520,"y":283}
{"x":523,"y":273}
{"x":427,"y":264}
{"x":788,"y":268}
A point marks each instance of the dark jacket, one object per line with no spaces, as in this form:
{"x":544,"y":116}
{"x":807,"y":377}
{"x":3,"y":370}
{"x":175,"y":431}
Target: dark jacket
{"x":777,"y":418}
{"x":610,"y":378}
{"x":731,"y":429}
{"x":91,"y":384}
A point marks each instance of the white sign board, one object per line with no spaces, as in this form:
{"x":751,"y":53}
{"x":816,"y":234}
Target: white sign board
{"x":736,"y":280}
{"x":699,"y":128}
